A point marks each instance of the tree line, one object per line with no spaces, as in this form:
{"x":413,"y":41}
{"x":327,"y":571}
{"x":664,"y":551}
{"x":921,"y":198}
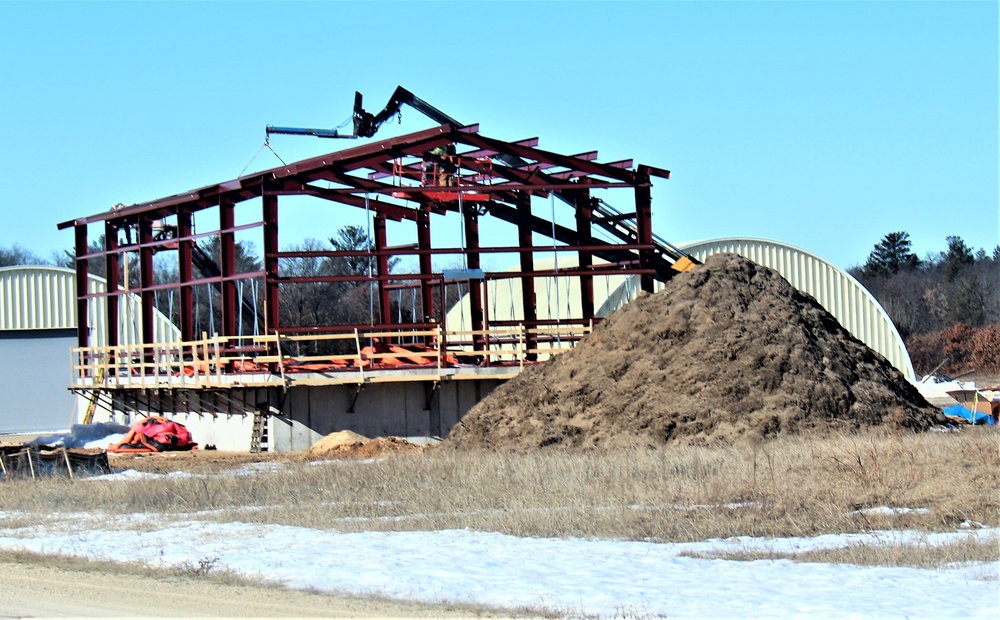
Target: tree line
{"x":302,"y":304}
{"x":946,"y":306}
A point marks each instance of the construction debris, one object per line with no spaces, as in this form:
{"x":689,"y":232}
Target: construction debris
{"x":155,"y":434}
{"x":726,"y":350}
{"x":40,"y":461}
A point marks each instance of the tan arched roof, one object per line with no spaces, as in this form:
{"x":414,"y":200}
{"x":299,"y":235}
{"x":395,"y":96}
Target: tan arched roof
{"x":843,"y":296}
{"x":42,"y":297}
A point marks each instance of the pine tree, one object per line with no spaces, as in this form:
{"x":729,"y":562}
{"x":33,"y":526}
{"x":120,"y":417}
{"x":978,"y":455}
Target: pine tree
{"x":891,"y":255}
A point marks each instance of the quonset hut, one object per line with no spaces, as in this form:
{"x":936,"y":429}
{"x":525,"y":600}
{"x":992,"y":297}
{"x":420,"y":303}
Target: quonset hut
{"x":38,"y":327}
{"x":842,"y":296}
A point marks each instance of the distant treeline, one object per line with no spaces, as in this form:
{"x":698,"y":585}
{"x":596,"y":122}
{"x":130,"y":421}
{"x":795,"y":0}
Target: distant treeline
{"x":946,"y":306}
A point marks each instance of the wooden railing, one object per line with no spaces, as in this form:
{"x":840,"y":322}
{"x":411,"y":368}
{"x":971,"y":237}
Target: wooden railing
{"x":265,"y":360}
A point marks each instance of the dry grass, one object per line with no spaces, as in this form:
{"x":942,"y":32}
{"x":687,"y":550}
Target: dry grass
{"x":886,"y":553}
{"x":792,"y":486}
{"x":205,"y":568}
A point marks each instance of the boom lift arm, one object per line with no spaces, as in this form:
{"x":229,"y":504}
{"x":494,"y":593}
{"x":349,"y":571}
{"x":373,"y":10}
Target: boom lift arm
{"x":366,"y":123}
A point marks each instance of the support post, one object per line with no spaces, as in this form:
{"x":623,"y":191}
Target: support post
{"x":524,"y":242}
{"x":584,"y":212}
{"x":271,"y":288}
{"x":111,"y":267}
{"x":227,"y":245}
{"x":475,"y":286}
{"x":185,"y":268}
{"x":382,"y":268}
{"x":146,"y":278}
{"x":82,"y":277}
{"x":644,"y":226}
{"x":424,"y":245}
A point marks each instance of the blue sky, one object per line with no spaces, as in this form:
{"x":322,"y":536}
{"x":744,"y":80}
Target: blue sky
{"x":823,"y":125}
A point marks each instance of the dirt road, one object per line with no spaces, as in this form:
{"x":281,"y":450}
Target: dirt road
{"x":35,"y":589}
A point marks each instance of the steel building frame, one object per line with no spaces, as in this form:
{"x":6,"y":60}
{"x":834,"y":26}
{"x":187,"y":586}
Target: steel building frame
{"x":391,"y":178}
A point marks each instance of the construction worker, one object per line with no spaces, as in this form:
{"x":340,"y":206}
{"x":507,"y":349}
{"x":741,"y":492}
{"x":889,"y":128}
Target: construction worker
{"x":440,"y":165}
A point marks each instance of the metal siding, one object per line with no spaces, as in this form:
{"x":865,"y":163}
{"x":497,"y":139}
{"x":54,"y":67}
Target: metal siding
{"x":848,"y":301}
{"x":44,"y":298}
{"x":35,"y":395}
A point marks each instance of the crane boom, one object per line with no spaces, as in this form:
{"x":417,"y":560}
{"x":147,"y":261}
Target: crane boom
{"x":366,"y":123}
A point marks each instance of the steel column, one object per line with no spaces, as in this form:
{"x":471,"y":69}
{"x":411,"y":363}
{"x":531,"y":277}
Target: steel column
{"x":644,"y":227}
{"x":382,"y":268}
{"x":82,"y":279}
{"x":185,"y":269}
{"x":227,"y":246}
{"x":475,"y":286}
{"x":111,"y":267}
{"x":271,"y":287}
{"x":424,"y":243}
{"x":524,"y":241}
{"x":584,"y":212}
{"x":146,"y":278}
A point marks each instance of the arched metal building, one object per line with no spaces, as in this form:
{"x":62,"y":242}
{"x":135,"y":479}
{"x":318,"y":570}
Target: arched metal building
{"x":843,"y":296}
{"x":38,"y":327}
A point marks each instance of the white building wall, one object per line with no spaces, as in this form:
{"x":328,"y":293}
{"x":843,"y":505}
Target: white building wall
{"x":42,"y":297}
{"x":37,"y":329}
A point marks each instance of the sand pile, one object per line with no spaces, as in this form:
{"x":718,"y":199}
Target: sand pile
{"x":336,"y":443}
{"x":351,"y":444}
{"x":727,"y":350}
{"x":386,"y":445}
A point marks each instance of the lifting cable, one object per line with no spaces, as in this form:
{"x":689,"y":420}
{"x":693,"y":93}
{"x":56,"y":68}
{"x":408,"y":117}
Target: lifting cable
{"x":239,"y":328}
{"x":211,"y":310}
{"x":256,"y":331}
{"x":197,"y":315}
{"x":513,"y":310}
{"x":371,"y":294}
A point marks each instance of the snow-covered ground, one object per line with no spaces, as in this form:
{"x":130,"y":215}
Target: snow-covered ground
{"x":574,"y":576}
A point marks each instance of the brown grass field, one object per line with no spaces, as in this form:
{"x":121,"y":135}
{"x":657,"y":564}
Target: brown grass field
{"x":791,"y":486}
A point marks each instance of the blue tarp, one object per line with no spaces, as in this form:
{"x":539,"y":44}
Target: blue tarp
{"x":958,"y":411}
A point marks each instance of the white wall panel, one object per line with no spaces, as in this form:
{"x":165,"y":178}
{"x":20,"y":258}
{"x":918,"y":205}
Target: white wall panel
{"x":36,"y":298}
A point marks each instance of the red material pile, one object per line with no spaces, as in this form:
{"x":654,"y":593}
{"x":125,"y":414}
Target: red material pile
{"x":155,"y":434}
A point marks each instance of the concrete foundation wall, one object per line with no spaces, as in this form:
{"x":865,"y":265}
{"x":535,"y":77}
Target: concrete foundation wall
{"x":415,"y":410}
{"x":380,"y":410}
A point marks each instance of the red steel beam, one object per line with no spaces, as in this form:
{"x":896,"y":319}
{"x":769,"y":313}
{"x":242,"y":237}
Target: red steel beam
{"x":271,"y":288}
{"x":524,"y":240}
{"x":185,"y":269}
{"x":382,"y":267}
{"x":644,"y":227}
{"x":471,"y":224}
{"x":555,"y":159}
{"x":227,"y":246}
{"x":82,"y":280}
{"x":584,"y":212}
{"x":111,"y":267}
{"x":424,"y":246}
{"x":146,"y":280}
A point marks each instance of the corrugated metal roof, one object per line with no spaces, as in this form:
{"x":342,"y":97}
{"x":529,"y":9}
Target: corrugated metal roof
{"x":843,"y":296}
{"x":44,"y":297}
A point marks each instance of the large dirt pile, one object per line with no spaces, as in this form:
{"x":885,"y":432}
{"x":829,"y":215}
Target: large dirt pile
{"x":727,"y":350}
